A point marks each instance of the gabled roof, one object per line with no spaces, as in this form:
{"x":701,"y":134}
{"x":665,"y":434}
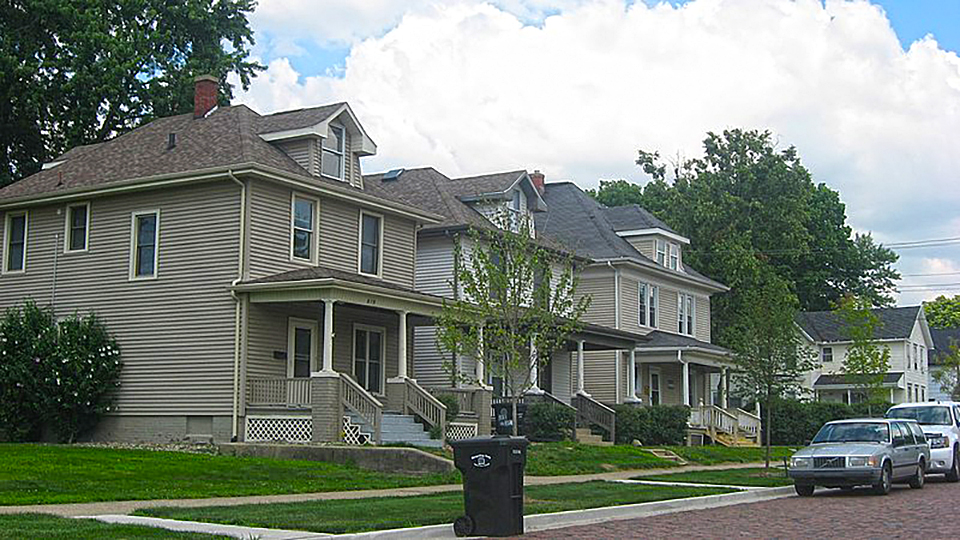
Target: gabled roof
{"x":296,"y":119}
{"x":942,"y":341}
{"x":665,"y":340}
{"x":827,"y":326}
{"x":632,"y":217}
{"x":495,"y":186}
{"x":578,"y":222}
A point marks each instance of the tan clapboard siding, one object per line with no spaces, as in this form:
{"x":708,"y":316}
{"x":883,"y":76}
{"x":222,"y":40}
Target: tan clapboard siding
{"x":599,"y":375}
{"x":344,"y":319}
{"x":600,"y":287}
{"x":176,"y":333}
{"x":269,"y":240}
{"x":428,"y":364}
{"x":629,"y":305}
{"x":703,"y":318}
{"x":302,"y":151}
{"x":339,"y":235}
{"x":645,"y":245}
{"x":399,"y":250}
{"x":560,"y":371}
{"x":268,"y":332}
{"x":668,"y":310}
{"x":434,"y":273}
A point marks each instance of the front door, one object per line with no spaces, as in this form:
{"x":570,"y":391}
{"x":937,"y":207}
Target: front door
{"x":368,"y":353}
{"x":654,"y":386}
{"x":302,"y":345}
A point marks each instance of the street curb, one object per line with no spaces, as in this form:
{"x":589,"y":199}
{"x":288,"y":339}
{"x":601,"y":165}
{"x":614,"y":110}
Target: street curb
{"x":235,"y":531}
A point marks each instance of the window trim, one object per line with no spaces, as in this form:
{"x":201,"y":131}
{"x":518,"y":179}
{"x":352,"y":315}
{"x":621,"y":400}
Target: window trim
{"x":383,"y":355}
{"x":360,"y":271}
{"x":673,"y":252}
{"x":643,"y":300}
{"x":657,"y":244}
{"x":315,"y":243}
{"x":653,"y":306}
{"x":823,"y":355}
{"x":133,"y":245}
{"x":6,"y":241}
{"x":68,"y":228}
{"x":293,"y":323}
{"x":342,"y":153}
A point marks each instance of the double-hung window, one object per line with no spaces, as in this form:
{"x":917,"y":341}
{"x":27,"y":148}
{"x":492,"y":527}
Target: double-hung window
{"x":332,"y":158}
{"x":78,"y":226}
{"x":303,"y":243}
{"x":661,"y":253}
{"x":827,"y":355}
{"x":653,"y":305}
{"x":15,"y":242}
{"x":674,"y":257}
{"x":371,"y":238}
{"x":685,"y":313}
{"x":916,"y":357}
{"x":145,"y":243}
{"x":642,"y":304}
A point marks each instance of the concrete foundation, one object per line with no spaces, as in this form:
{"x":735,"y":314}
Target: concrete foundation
{"x":374,"y":458}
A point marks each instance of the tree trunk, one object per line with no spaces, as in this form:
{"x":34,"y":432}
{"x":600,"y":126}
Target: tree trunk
{"x":767,"y":433}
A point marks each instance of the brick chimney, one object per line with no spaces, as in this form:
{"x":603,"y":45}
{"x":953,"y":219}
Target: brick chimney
{"x":537,"y":178}
{"x":204,"y":95}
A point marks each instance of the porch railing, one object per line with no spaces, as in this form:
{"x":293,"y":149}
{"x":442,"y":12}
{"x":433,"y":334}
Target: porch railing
{"x":424,"y":405}
{"x":467,"y":398}
{"x":592,"y":412}
{"x":749,"y":423}
{"x":355,"y":398}
{"x":278,"y":392}
{"x":734,"y":421}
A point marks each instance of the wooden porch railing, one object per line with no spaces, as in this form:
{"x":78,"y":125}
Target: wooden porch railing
{"x":357,"y":399}
{"x":734,"y":422}
{"x":591,"y":412}
{"x":424,"y":405}
{"x":749,"y":423}
{"x":466,"y":398}
{"x":278,"y":392}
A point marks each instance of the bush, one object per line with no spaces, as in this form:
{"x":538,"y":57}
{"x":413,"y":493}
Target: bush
{"x":796,"y":422}
{"x":452,"y":404}
{"x":55,"y":373}
{"x":654,"y":425}
{"x":548,"y":422}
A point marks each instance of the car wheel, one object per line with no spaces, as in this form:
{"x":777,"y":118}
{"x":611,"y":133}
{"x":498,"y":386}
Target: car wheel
{"x":954,"y":474}
{"x":882,"y":487}
{"x":918,"y":478}
{"x":804,"y":490}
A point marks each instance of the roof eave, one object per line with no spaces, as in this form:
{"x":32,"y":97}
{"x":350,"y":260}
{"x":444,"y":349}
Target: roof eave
{"x":654,"y":230}
{"x":715,"y":286}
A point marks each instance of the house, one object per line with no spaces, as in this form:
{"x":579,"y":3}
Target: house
{"x":902,"y":330}
{"x":257,"y":289}
{"x":944,"y":340}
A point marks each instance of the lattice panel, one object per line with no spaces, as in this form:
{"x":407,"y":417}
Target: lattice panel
{"x":294,"y":429}
{"x":352,"y":433}
{"x":461,"y":430}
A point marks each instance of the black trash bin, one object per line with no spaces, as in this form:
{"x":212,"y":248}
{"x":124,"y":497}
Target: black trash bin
{"x":492,"y":469}
{"x":503,"y":418}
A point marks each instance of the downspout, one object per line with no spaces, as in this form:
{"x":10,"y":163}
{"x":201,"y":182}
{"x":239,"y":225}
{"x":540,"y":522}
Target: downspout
{"x":616,"y":324}
{"x":237,"y":345}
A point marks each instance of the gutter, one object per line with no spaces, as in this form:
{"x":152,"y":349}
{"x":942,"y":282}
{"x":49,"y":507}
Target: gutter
{"x":716,"y":286}
{"x":238,"y":343}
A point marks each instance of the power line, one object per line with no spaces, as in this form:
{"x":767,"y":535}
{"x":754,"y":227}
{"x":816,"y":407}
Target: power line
{"x":932,"y":274}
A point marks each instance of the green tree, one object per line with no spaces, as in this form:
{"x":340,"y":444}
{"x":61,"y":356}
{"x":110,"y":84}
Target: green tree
{"x":513,"y":296}
{"x":77,"y":72}
{"x":947,"y":374}
{"x":943,"y":312}
{"x":866,"y":360}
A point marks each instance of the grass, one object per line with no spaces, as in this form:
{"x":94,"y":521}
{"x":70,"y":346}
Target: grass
{"x":756,"y":477}
{"x":566,"y":458}
{"x":19,"y":526}
{"x":717,"y":454}
{"x":45,"y":474}
{"x":358,"y":515}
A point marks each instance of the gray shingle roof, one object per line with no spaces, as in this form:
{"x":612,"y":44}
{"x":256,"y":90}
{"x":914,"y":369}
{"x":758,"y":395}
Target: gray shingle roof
{"x":942,"y":340}
{"x":578,"y":222}
{"x":824,"y":380}
{"x":296,"y":119}
{"x":633,"y":217}
{"x":484,"y":184}
{"x":321,"y":272}
{"x":660,"y":339}
{"x":827,"y":326}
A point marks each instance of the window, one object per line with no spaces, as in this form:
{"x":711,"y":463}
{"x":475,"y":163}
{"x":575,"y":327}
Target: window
{"x":916,"y":357}
{"x":146,"y":236}
{"x":691,"y":311}
{"x":331,"y":161}
{"x":685,"y":314}
{"x":368,"y":348}
{"x":661,"y":253}
{"x":653,"y":303}
{"x":77,"y":224}
{"x":15,"y":242}
{"x":303,"y":226}
{"x":923,"y":358}
{"x":674,"y":257}
{"x":371,"y":233}
{"x":827,"y":355}
{"x":302,"y":347}
{"x":642,"y":304}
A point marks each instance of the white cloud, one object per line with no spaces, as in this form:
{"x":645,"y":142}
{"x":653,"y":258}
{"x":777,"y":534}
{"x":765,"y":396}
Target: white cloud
{"x":470,"y":88}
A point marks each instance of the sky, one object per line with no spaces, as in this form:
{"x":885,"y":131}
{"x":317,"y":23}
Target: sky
{"x":867,"y":91}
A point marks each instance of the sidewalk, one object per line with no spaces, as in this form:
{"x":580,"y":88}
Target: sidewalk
{"x":127,"y":507}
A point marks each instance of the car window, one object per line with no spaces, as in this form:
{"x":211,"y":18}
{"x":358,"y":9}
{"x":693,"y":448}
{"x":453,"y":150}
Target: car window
{"x":956,"y":414}
{"x":899,"y":438}
{"x":853,"y":432}
{"x":907,"y":433}
{"x":917,"y":432}
{"x":925,"y":415}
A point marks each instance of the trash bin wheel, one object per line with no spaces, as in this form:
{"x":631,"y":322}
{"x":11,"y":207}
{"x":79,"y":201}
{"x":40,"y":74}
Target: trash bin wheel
{"x":463,"y":526}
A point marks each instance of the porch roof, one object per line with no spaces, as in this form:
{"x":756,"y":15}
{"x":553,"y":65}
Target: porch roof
{"x":597,"y":337}
{"x":659,"y":341}
{"x":842,"y":382}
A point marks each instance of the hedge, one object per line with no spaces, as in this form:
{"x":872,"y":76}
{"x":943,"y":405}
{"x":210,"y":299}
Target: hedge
{"x":653,"y":425}
{"x":548,"y":422}
{"x":796,"y":422}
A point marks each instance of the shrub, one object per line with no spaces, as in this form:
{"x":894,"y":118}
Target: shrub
{"x":548,"y":422}
{"x":452,"y":404}
{"x":796,"y":422}
{"x":60,"y":374}
{"x":654,"y":425}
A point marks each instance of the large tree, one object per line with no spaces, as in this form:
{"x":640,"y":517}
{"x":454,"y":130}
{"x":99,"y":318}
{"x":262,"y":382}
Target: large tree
{"x":867,"y":360}
{"x":76,"y":72}
{"x":943,"y":312}
{"x":744,"y":187}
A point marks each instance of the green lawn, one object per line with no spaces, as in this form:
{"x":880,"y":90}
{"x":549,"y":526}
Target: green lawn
{"x":756,"y":477}
{"x":565,"y":458}
{"x":20,"y":526}
{"x":43,"y":474}
{"x":717,"y":454}
{"x":357,"y":515}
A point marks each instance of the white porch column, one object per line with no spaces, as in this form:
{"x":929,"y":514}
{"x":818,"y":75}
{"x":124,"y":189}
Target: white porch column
{"x":724,"y":387}
{"x":632,"y":379}
{"x":686,"y":378}
{"x":402,"y":346}
{"x":849,"y":397}
{"x":328,"y":306}
{"x":481,"y":355}
{"x":756,"y":408}
{"x":580,"y":383}
{"x":534,"y":368}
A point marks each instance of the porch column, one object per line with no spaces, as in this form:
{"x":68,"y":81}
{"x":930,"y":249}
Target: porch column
{"x":534,"y":368}
{"x":849,"y":397}
{"x":481,"y":355}
{"x":756,"y":408}
{"x":402,"y":346}
{"x":328,"y":306}
{"x":632,"y":379}
{"x":580,"y":383}
{"x":686,"y":378}
{"x":891,"y":396}
{"x":724,"y":387}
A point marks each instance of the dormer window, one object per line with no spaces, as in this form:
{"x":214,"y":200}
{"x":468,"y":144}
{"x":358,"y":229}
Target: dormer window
{"x":674,"y":257}
{"x":332,"y":161}
{"x":661,"y":253}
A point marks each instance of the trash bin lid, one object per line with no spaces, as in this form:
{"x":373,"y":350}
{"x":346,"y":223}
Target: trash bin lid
{"x":486,"y":442}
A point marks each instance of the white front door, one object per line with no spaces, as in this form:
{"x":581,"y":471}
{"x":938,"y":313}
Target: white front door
{"x":369,"y":349}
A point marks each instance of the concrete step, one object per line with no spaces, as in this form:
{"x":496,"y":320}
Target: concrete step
{"x":585,"y":436}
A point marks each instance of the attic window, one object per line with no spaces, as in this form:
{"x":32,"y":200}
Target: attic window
{"x":331,"y":161}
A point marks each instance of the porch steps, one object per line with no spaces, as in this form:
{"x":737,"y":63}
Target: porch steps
{"x":725,"y":439}
{"x":585,"y":436}
{"x":399,"y":428}
{"x":667,"y":454}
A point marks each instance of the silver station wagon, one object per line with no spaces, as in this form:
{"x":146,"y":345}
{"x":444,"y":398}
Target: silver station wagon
{"x":873,"y":452}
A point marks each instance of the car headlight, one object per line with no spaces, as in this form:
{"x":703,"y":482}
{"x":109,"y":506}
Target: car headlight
{"x":863,"y":461}
{"x":937,"y":441}
{"x":801,"y":463}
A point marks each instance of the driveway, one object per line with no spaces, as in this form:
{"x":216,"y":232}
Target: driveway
{"x":928,"y":513}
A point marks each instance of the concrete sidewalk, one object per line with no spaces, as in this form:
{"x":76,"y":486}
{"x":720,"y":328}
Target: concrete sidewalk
{"x":128,"y":507}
